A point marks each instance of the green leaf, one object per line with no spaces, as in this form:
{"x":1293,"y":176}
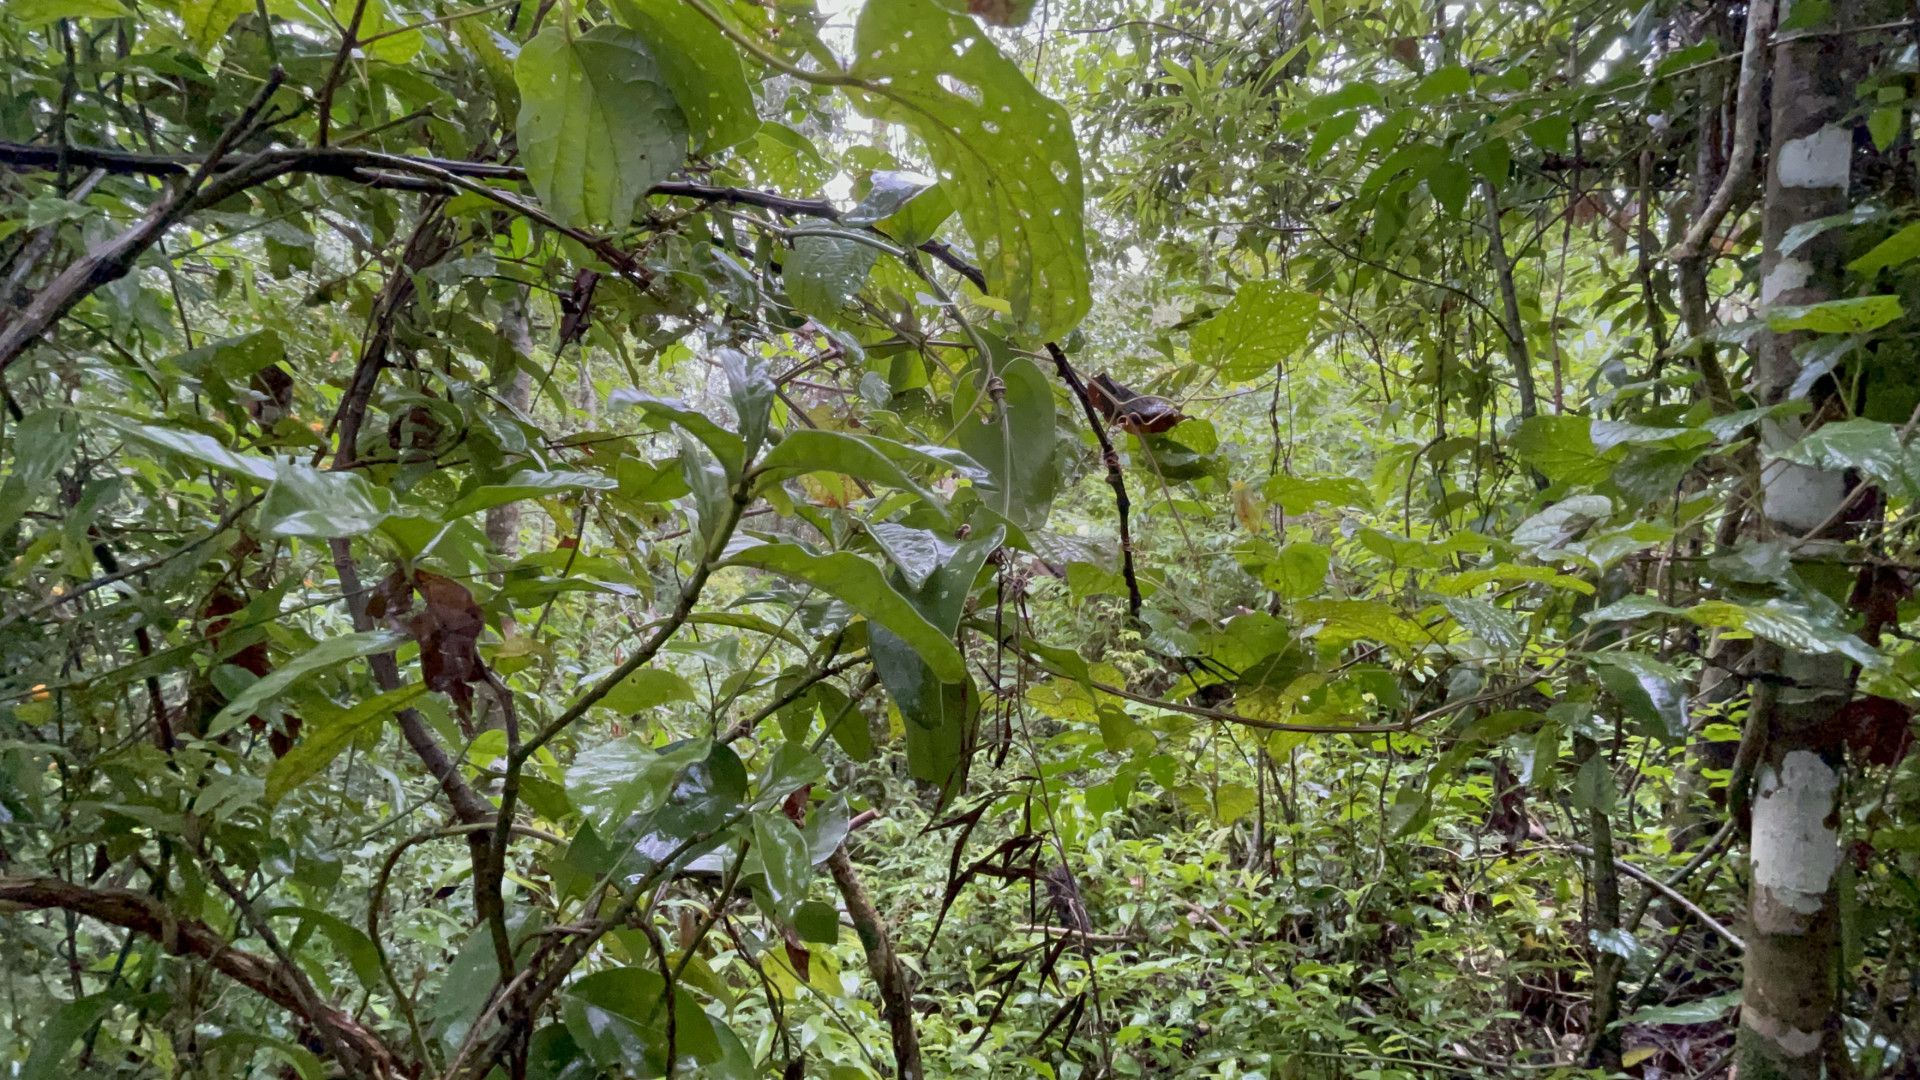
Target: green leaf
{"x":824,"y":272}
{"x":1902,"y":247}
{"x":1264,"y":324}
{"x":618,"y":779}
{"x":197,"y":447}
{"x":352,"y":942}
{"x":1006,"y":151}
{"x":598,"y":125}
{"x":323,"y":739}
{"x":782,"y":855}
{"x":1495,"y":626}
{"x":309,"y":502}
{"x":1704,"y":1011}
{"x":1873,"y":448}
{"x":728,"y":448}
{"x":615,"y":1017}
{"x":1651,"y":692}
{"x":1017,"y":445}
{"x":206,"y":21}
{"x":68,"y":1024}
{"x":860,"y":585}
{"x":646,"y":689}
{"x":326,"y":654}
{"x":1298,"y":570}
{"x":701,"y":67}
{"x":528,"y":484}
{"x":32,"y":13}
{"x":1561,"y":446}
{"x":1298,"y":495}
{"x":1346,"y":621}
{"x":868,"y":457}
{"x":1852,"y":316}
{"x":906,"y":206}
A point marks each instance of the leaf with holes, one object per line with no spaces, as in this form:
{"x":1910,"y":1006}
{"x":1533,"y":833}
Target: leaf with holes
{"x":1007,"y":150}
{"x":598,"y":125}
{"x":700,"y":66}
{"x":1264,"y":324}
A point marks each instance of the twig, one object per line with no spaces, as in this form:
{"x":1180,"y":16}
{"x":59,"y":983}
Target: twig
{"x":1746,"y":133}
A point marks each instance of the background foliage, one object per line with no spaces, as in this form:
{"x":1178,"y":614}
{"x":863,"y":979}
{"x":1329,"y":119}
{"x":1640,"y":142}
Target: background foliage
{"x":582,"y":539}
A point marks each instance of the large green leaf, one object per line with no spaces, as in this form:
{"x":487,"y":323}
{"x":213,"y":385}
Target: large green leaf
{"x":616,"y":779}
{"x":1017,"y":444}
{"x":1869,"y":446}
{"x":824,"y":272}
{"x":701,"y":67}
{"x":1297,"y":571}
{"x":326,"y":654}
{"x":323,"y":739}
{"x":206,"y":21}
{"x":529,"y":484}
{"x":1264,"y":324}
{"x":310,"y":502}
{"x":860,"y":585}
{"x":781,"y":853}
{"x":1562,"y":448}
{"x":1855,"y":315}
{"x":616,"y":1017}
{"x":1650,"y":691}
{"x":598,"y":125}
{"x":1006,"y":151}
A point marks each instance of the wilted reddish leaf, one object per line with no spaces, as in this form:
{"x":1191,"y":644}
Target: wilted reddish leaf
{"x":1878,"y":730}
{"x":1001,"y":12}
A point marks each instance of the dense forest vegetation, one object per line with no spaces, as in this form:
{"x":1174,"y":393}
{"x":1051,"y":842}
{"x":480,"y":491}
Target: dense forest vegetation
{"x":571,"y":539}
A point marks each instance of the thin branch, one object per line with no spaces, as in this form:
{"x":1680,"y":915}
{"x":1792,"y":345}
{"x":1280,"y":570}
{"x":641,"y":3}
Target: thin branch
{"x":1746,"y":134}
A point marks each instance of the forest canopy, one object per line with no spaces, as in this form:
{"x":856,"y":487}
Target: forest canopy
{"x":573,"y":539}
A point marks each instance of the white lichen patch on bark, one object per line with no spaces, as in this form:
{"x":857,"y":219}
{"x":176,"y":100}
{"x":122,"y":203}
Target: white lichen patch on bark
{"x":1800,"y":497}
{"x":1823,"y":159}
{"x":1791,"y":1039}
{"x":1786,"y":276}
{"x":1795,"y":850}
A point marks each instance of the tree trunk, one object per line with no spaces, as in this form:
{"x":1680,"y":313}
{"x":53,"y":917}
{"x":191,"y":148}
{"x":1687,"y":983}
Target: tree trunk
{"x":1789,"y":1014}
{"x":503,"y":522}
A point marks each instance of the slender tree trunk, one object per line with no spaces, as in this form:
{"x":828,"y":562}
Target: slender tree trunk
{"x":503,"y":522}
{"x":1789,"y":1012}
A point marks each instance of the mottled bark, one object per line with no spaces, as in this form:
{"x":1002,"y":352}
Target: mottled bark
{"x":896,"y":997}
{"x":1789,"y":1011}
{"x":503,"y":522}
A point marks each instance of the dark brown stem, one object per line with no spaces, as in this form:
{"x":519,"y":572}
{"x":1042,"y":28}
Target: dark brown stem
{"x":1115,"y":480}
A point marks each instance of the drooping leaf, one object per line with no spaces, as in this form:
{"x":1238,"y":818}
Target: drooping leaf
{"x":1015,"y":443}
{"x":304,"y":501}
{"x":324,"y":738}
{"x":860,"y":585}
{"x":1006,"y":151}
{"x":598,"y":125}
{"x":1650,"y":691}
{"x":782,"y":855}
{"x":529,"y":484}
{"x":326,"y":654}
